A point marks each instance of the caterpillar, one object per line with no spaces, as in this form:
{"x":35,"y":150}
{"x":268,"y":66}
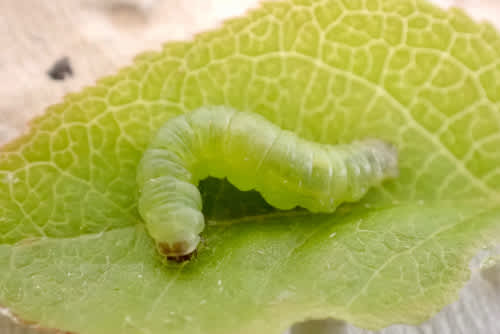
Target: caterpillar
{"x":252,"y":153}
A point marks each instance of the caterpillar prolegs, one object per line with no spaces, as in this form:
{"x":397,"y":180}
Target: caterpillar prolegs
{"x":252,"y":153}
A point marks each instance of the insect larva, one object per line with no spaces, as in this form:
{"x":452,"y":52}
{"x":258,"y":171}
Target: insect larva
{"x":252,"y":153}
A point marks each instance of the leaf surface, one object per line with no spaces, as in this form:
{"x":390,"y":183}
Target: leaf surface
{"x":73,"y":251}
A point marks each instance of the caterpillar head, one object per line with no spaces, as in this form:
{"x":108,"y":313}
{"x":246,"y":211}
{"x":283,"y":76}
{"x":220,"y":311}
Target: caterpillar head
{"x":176,"y":233}
{"x":178,"y":251}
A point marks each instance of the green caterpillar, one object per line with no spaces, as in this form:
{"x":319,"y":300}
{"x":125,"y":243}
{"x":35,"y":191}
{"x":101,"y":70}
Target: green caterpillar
{"x":252,"y":153}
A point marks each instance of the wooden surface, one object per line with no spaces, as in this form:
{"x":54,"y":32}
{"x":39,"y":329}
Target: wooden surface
{"x":100,"y":36}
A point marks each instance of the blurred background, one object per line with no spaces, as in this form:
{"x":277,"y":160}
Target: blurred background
{"x":53,"y":47}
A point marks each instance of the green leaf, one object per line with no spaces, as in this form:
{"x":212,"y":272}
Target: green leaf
{"x":74,"y":254}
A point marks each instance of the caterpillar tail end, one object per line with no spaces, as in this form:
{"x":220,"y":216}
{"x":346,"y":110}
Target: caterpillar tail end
{"x":179,"y":251}
{"x":388,"y":154}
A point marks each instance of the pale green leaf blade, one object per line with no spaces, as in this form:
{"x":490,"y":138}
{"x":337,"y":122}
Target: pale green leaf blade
{"x":73,"y":251}
{"x":370,"y":267}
